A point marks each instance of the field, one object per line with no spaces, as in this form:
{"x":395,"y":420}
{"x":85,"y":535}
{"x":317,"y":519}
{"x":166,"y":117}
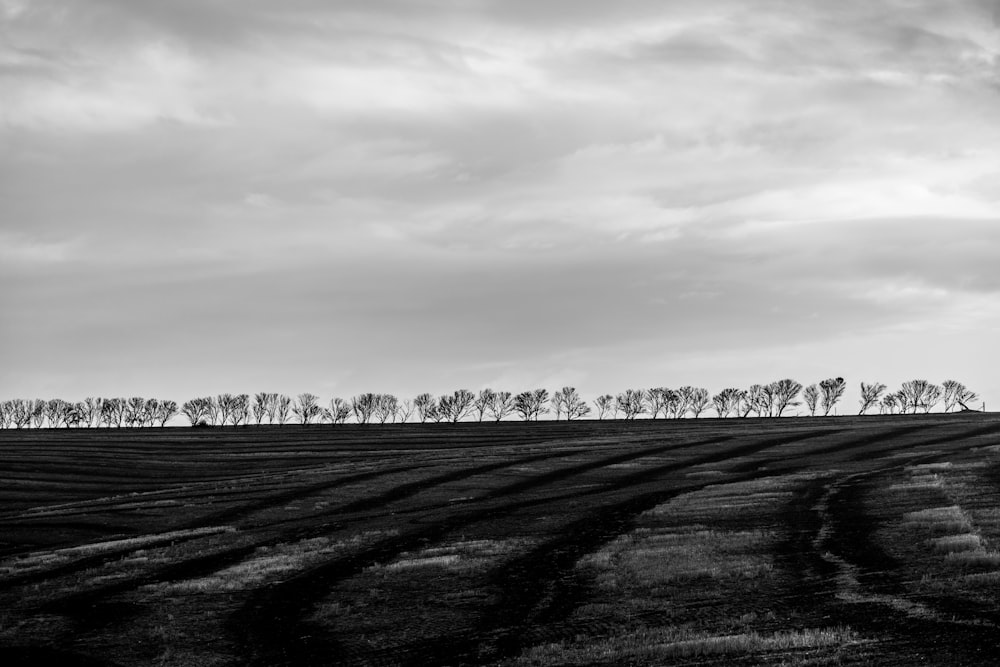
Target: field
{"x":869,"y":540}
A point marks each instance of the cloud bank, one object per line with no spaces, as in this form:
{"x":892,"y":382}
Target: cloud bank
{"x":407,"y":196}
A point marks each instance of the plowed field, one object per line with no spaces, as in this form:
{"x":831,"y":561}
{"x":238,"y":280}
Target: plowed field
{"x":869,"y":540}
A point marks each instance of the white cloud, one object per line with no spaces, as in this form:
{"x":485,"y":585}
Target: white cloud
{"x":503,"y":181}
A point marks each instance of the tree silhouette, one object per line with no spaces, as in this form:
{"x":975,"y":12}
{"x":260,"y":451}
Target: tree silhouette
{"x":605,"y":406}
{"x":870,"y":395}
{"x":831,"y":391}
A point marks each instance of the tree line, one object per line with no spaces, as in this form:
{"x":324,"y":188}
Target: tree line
{"x":759,"y":400}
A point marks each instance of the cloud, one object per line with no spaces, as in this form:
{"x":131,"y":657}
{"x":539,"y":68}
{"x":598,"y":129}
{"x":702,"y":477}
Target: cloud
{"x":582,"y":189}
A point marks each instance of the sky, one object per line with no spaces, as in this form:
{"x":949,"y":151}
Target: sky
{"x":205,"y":196}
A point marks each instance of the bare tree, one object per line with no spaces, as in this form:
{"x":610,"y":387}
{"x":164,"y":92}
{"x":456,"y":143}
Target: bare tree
{"x":426,"y":407}
{"x":783,"y":395}
{"x":957,"y":394}
{"x":241,"y":409}
{"x":405,"y":411}
{"x":224,"y":404}
{"x":385,"y":407}
{"x":657,"y":401}
{"x":605,"y":406}
{"x":870,"y":395}
{"x":456,"y":406}
{"x":134,"y":410}
{"x":502,"y":405}
{"x":531,"y":404}
{"x":274,"y":407}
{"x":483,"y":402}
{"x":165,"y":412}
{"x":916,"y":394}
{"x":213,"y":411}
{"x":340,"y":410}
{"x":757,"y":400}
{"x":932,"y":396}
{"x":307,"y":408}
{"x":568,"y":402}
{"x":21,"y":413}
{"x":150,"y":408}
{"x":196,"y":410}
{"x":697,"y":400}
{"x":56,"y":411}
{"x":889,"y":404}
{"x":363,"y":407}
{"x":91,"y":411}
{"x":263,"y":406}
{"x":282,"y":409}
{"x":679,"y":401}
{"x":831,"y":391}
{"x":630,"y":403}
{"x":727,"y":401}
{"x":811,"y":396}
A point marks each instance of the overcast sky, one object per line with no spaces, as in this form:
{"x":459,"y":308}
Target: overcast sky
{"x":402,"y":196}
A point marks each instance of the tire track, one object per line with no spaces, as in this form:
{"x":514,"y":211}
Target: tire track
{"x":538,"y":589}
{"x":280,"y":608}
{"x":870,"y":588}
{"x":73,"y":603}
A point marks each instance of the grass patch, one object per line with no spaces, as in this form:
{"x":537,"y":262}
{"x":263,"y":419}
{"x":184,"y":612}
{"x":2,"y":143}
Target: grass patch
{"x":672,"y":644}
{"x":974,"y":559}
{"x":940,"y":520}
{"x":464,"y":555}
{"x":270,"y":562}
{"x":957,"y":543}
{"x":43,"y":560}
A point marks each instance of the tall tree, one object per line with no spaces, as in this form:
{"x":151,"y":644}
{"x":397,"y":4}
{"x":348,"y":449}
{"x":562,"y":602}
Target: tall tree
{"x":340,"y":410}
{"x":307,"y":408}
{"x":697,"y":399}
{"x":502,"y":405}
{"x":405,"y":410}
{"x":916,"y":394}
{"x":783,"y":395}
{"x":363,"y":406}
{"x":91,"y":411}
{"x":932,"y":396}
{"x":630,"y":403}
{"x":726,"y":402}
{"x":831,"y":391}
{"x":165,"y":412}
{"x":262,"y":403}
{"x":811,"y":396}
{"x":483,"y":402}
{"x":282,"y":409}
{"x":194,"y":409}
{"x":457,"y":405}
{"x":531,"y":404}
{"x":426,"y":407}
{"x":870,"y":395}
{"x":957,"y":394}
{"x":758,"y":400}
{"x":605,"y":406}
{"x":568,"y":402}
{"x":657,"y":401}
{"x":385,"y":407}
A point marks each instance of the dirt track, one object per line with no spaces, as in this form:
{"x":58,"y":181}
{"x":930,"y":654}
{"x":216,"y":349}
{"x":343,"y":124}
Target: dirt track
{"x":464,"y":544}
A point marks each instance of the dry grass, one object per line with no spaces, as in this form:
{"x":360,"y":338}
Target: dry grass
{"x":974,"y":559}
{"x":654,"y":645}
{"x":949,"y":520}
{"x":271,"y":562}
{"x":957,"y":543}
{"x":462,"y":555}
{"x":43,"y":560}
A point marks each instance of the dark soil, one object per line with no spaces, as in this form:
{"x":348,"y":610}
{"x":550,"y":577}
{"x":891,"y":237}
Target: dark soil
{"x":344,"y":514}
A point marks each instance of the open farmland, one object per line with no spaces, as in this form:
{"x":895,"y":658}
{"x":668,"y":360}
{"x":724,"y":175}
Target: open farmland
{"x":872,"y":540}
